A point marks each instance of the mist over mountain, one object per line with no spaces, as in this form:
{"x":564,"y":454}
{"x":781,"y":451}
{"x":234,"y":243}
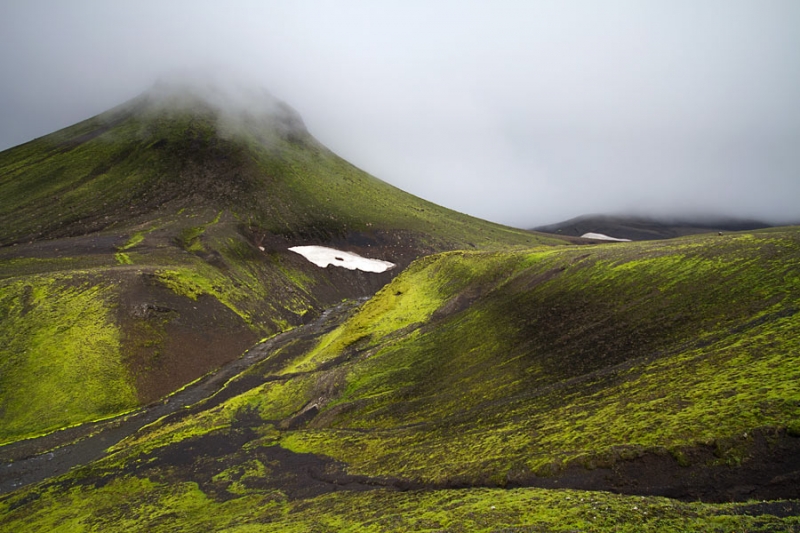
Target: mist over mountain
{"x":237,"y":103}
{"x":521,"y":114}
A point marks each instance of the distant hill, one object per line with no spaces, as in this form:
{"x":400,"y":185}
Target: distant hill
{"x":647,"y":229}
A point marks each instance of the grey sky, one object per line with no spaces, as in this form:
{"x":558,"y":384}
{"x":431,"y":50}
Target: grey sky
{"x":524,"y":112}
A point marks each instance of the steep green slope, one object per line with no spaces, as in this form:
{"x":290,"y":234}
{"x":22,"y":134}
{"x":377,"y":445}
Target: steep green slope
{"x":664,"y":368}
{"x":90,"y":336}
{"x":61,"y":346}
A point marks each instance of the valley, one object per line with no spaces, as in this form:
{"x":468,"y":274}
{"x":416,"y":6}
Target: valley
{"x":365,"y":405}
{"x":170,"y":361}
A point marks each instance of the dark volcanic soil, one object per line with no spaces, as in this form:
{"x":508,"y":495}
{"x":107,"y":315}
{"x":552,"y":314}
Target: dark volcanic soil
{"x":770,"y":471}
{"x":297,"y":475}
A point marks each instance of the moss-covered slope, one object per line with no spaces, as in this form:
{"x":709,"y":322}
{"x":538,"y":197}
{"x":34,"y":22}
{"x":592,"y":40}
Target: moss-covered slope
{"x":106,"y":324}
{"x":147,"y":246}
{"x":61,"y":349}
{"x":508,"y":367}
{"x":658,"y":369}
{"x":131,"y":504}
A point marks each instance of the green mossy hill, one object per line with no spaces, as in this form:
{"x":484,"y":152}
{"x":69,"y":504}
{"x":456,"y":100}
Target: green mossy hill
{"x":158,"y":154}
{"x":496,"y":367}
{"x":94,"y":326}
{"x":501,"y":367}
{"x":147,"y":246}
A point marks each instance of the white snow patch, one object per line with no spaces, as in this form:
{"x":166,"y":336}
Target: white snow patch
{"x":323,"y":256}
{"x":601,"y":237}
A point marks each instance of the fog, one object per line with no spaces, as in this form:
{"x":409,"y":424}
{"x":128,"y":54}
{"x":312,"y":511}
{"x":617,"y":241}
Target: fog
{"x":524,"y":113}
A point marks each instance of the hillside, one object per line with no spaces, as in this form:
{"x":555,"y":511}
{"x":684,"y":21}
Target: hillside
{"x":482,"y":390}
{"x":147,"y":246}
{"x":175,"y":149}
{"x":637,"y":228}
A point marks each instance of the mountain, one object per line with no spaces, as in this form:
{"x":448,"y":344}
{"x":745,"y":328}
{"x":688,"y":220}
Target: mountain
{"x":146,"y":246}
{"x":598,"y":388}
{"x":168,"y":363}
{"x":176,"y":149}
{"x":644,"y":229}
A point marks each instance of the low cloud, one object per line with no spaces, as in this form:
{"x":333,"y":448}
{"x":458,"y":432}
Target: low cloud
{"x":238,"y":103}
{"x":521,"y":113}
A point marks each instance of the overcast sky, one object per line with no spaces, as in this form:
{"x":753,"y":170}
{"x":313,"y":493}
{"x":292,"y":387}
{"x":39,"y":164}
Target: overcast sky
{"x":524,"y":113}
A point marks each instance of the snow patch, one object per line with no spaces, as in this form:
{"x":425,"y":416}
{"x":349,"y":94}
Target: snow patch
{"x":601,"y":237}
{"x":323,"y":256}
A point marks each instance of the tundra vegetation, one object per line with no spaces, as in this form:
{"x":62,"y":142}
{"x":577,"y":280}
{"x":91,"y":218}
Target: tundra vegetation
{"x":496,"y":380}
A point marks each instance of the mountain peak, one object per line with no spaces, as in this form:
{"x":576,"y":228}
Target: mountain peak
{"x":210,"y":143}
{"x":234,"y":103}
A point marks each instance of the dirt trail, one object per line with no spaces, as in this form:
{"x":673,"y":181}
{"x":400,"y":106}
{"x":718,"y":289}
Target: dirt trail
{"x":34,"y":460}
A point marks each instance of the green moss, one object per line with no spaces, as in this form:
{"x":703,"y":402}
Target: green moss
{"x":203,"y":279}
{"x":411,"y":299}
{"x":271,"y":401}
{"x":60,"y":355}
{"x":238,"y":475}
{"x":492,"y":355}
{"x":159,"y":507}
{"x":52,"y":182}
{"x":484,"y":368}
{"x":132,"y":504}
{"x":190,"y":238}
{"x":347,"y":199}
{"x":134,"y":240}
{"x":123,"y":258}
{"x":25,"y":266}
